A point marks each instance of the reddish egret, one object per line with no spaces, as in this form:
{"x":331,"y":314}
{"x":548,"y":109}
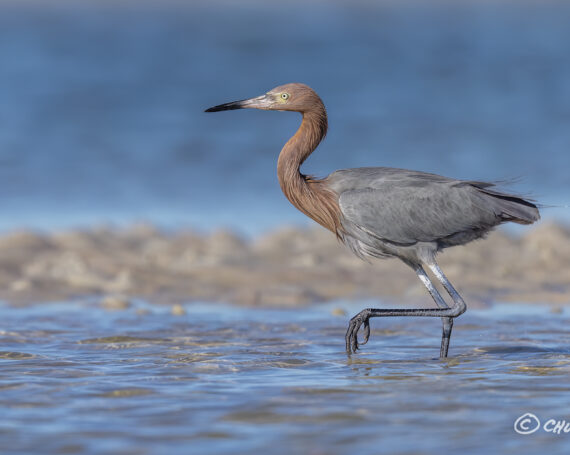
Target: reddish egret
{"x":381,"y":212}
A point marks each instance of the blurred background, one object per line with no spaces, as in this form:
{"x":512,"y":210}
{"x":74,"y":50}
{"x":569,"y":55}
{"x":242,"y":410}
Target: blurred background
{"x":143,"y":341}
{"x":102,"y":122}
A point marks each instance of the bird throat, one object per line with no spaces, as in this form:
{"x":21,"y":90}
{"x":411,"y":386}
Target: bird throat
{"x":308,"y":194}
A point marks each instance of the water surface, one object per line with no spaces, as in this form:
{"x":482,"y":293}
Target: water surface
{"x":75,"y":378}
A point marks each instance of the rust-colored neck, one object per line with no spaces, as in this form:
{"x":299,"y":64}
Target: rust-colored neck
{"x":309,"y":195}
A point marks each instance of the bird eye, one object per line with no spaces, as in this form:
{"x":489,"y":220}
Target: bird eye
{"x":284,"y":96}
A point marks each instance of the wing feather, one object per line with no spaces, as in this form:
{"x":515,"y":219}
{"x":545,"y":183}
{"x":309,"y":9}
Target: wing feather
{"x":416,"y":208}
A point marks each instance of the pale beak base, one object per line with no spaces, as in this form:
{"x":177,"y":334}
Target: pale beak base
{"x":260,"y":102}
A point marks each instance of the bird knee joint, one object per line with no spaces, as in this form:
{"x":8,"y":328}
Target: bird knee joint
{"x":459,"y":308}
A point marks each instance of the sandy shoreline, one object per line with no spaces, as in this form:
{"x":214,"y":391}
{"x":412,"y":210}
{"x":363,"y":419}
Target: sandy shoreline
{"x":285,"y":268}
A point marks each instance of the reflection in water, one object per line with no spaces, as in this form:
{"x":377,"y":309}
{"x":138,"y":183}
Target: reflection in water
{"x":75,"y":378}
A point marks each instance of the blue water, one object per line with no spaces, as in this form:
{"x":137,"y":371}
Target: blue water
{"x":77,"y":379}
{"x":101,"y":112}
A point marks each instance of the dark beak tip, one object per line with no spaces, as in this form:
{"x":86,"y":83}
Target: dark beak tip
{"x":227,"y":106}
{"x":220,"y":107}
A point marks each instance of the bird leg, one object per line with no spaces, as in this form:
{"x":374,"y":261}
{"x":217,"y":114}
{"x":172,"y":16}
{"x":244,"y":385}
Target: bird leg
{"x":457,"y":301}
{"x":443,"y":311}
{"x":445,"y":336}
{"x":446,"y":322}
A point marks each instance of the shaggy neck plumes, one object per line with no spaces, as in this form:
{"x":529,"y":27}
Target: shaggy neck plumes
{"x":309,"y":195}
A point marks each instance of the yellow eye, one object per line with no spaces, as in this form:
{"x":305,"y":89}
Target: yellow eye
{"x":284,"y":96}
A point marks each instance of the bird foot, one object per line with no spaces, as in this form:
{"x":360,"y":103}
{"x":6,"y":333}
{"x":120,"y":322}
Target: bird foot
{"x":351,"y":338}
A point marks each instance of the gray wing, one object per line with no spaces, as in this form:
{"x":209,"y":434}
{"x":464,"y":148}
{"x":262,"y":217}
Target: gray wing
{"x":405,"y":207}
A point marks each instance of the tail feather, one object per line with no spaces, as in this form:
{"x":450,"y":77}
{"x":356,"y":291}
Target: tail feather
{"x":512,"y":208}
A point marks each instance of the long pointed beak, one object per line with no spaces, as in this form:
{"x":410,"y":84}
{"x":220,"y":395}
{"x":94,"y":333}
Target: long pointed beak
{"x":260,"y":102}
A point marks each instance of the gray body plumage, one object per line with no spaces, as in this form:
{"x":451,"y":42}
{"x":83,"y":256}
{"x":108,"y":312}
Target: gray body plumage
{"x":413,"y":215}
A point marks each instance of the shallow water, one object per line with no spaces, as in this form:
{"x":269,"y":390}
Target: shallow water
{"x":75,"y":378}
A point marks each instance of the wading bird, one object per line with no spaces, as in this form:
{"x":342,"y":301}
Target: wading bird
{"x":381,"y":212}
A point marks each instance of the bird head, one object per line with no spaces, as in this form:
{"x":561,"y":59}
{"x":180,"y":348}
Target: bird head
{"x":289,"y":97}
